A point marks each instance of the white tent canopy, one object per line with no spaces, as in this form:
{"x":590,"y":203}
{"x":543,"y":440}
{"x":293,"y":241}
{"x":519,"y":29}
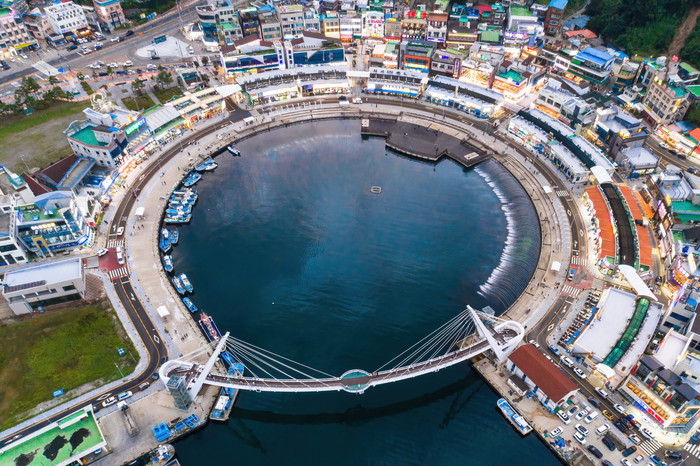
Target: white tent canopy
{"x":601,"y":174}
{"x":163,"y":311}
{"x":556,"y":266}
{"x":140,"y":211}
{"x":607,"y":371}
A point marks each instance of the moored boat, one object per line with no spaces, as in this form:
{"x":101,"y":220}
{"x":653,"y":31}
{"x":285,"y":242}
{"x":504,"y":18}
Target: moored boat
{"x":178,"y":219}
{"x":234,"y":151}
{"x":178,"y":285}
{"x":174,"y":237}
{"x":206,"y":165}
{"x":164,"y":240}
{"x":209,"y":327}
{"x":186,"y":283}
{"x":513,"y":417}
{"x":168,"y":263}
{"x":189,"y":304}
{"x":191,"y":179}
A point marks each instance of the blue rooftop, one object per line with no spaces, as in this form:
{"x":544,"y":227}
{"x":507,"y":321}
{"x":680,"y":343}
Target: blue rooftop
{"x":561,"y":4}
{"x":594,"y":55}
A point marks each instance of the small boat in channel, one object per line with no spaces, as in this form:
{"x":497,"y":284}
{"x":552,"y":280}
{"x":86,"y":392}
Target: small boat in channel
{"x":191,"y":179}
{"x":209,"y":327}
{"x":189,"y":304}
{"x":186,"y":283}
{"x":178,"y":219}
{"x":174,"y":237}
{"x":234,"y":151}
{"x":168,"y":263}
{"x":206,"y":165}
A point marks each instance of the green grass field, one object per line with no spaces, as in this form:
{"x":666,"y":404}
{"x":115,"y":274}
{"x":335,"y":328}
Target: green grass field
{"x":141,"y":102}
{"x":39,"y":136}
{"x":164,"y":95}
{"x":62,"y":349}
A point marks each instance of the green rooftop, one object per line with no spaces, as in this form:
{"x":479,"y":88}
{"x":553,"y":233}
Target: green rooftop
{"x":695,"y":90}
{"x":87,"y":136}
{"x":71,"y":437}
{"x":677,"y":91}
{"x":520,"y":11}
{"x":490,"y":36}
{"x":32,"y":213}
{"x":688,"y":68}
{"x":685,"y":207}
{"x":229,"y":26}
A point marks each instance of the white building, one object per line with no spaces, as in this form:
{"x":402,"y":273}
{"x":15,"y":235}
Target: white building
{"x":98,"y":138}
{"x":13,"y":33}
{"x":44,"y":284}
{"x":291,"y":17}
{"x":66,"y":17}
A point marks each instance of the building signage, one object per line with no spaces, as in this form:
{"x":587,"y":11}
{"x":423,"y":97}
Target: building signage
{"x":135,"y":126}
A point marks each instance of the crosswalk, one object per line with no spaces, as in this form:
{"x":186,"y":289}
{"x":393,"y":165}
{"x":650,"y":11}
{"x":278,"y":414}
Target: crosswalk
{"x":650,"y":446}
{"x":113,"y":243}
{"x":562,"y":193}
{"x":118,"y":273}
{"x":578,"y":260}
{"x":571,"y":291}
{"x":692,"y":449}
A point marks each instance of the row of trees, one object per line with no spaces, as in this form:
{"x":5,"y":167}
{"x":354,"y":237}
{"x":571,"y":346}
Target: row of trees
{"x":29,"y":97}
{"x":160,"y":81}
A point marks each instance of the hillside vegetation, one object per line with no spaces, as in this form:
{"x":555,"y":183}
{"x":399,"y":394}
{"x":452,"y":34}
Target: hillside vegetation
{"x":644,"y":27}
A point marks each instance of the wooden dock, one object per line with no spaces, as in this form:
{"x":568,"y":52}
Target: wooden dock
{"x":426,"y":143}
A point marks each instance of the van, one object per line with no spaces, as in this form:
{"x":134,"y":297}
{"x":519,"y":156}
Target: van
{"x":567,"y":361}
{"x":591,"y":417}
{"x":602,"y":429}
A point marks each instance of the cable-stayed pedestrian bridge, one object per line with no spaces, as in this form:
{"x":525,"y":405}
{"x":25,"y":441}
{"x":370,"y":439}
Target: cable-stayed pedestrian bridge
{"x":468,"y":334}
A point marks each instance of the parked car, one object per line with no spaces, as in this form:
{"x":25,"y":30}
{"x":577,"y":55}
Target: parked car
{"x":674,"y":455}
{"x":564,"y":418}
{"x":571,"y":274}
{"x":619,"y":408}
{"x":638,"y":459}
{"x":591,"y":417}
{"x":624,"y":462}
{"x":655,"y":459}
{"x":608,"y":443}
{"x":602,"y":429}
{"x":635,"y":439}
{"x":129,"y":33}
{"x":72,"y":47}
{"x":581,"y":414}
{"x":556,"y":432}
{"x":579,"y":372}
{"x":607,"y":463}
{"x":113,"y":65}
{"x":607,"y":414}
{"x":594,"y":402}
{"x":628,"y":451}
{"x":602,"y":393}
{"x":101,"y":252}
{"x":572,"y":410}
{"x":567,"y":361}
{"x":597,"y":453}
{"x":151,"y":67}
{"x":580,"y":437}
{"x":647,"y":433}
{"x":114,"y":39}
{"x":128,"y":63}
{"x":124,"y":395}
{"x":581,"y":429}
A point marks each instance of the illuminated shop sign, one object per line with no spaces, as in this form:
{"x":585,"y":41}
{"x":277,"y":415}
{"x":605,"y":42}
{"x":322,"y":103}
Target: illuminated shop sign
{"x":135,"y":126}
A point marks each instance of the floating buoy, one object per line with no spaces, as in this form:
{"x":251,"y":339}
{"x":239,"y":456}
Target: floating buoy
{"x":375,"y":189}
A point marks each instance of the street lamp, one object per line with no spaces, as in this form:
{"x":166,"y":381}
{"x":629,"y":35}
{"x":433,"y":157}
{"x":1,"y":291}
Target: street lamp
{"x":21,"y":156}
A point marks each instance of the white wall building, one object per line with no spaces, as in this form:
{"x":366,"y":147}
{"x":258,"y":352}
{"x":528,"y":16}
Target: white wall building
{"x":66,"y":17}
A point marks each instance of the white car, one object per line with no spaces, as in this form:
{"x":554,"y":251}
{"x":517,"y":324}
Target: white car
{"x":109,"y":401}
{"x":581,"y":439}
{"x":556,"y":431}
{"x":124,"y":395}
{"x":151,"y":66}
{"x":114,"y":39}
{"x":581,"y":429}
{"x":581,"y":414}
{"x":113,"y":65}
{"x":128,"y":63}
{"x":619,"y":408}
{"x":579,"y":372}
{"x":94,"y":66}
{"x":602,"y":393}
{"x":664,"y":145}
{"x":564,"y":418}
{"x":602,"y":429}
{"x":101,"y":252}
{"x":567,"y":361}
{"x":357,"y":100}
{"x":636,"y":440}
{"x":120,"y":231}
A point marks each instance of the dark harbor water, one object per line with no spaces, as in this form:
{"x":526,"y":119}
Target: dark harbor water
{"x":289,"y":250}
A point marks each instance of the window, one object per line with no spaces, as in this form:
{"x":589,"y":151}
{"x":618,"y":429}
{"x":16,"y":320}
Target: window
{"x":69,"y":288}
{"x":8,"y":248}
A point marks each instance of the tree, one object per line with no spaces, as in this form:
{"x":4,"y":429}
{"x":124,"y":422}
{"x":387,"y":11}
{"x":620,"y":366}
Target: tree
{"x":110,"y":71}
{"x":52,"y":80}
{"x":137,"y":86}
{"x":163,"y":78}
{"x":205,"y":79}
{"x":205,"y":61}
{"x":693,"y":114}
{"x":94,"y":74}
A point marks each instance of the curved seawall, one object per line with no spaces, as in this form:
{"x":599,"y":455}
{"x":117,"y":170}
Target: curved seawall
{"x":522,"y":248}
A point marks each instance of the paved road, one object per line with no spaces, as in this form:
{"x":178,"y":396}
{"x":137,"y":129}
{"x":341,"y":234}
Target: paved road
{"x":157,"y":350}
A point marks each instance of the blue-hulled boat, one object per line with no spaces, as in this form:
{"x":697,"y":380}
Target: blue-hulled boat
{"x":164,"y":240}
{"x":174,"y":211}
{"x":178,"y":218}
{"x":168,"y":263}
{"x":178,"y":285}
{"x":186,"y":283}
{"x":234,"y":151}
{"x":206,"y":165}
{"x":192,"y":179}
{"x":189,"y":304}
{"x":174,"y":237}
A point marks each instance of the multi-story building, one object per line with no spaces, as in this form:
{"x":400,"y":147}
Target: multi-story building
{"x":219,"y":23}
{"x":312,"y":21}
{"x":447,"y":62}
{"x":331,"y":25}
{"x":13,"y":33}
{"x":590,"y":64}
{"x":554,"y":18}
{"x":291,"y":17}
{"x":687,"y":74}
{"x":67,"y":18}
{"x":98,"y":138}
{"x":313,"y":49}
{"x":373,"y":24}
{"x":437,"y":28}
{"x":248,"y":18}
{"x":109,"y":13}
{"x":482,"y":65}
{"x":252,"y":55}
{"x":512,"y":83}
{"x":37,"y":24}
{"x":463,"y":31}
{"x":52,"y":223}
{"x":407,"y":83}
{"x":392,"y":28}
{"x":416,"y":55}
{"x":350,"y":26}
{"x":413,"y":28}
{"x":43,"y":285}
{"x":665,"y":102}
{"x":521,"y":27}
{"x":270,"y":27}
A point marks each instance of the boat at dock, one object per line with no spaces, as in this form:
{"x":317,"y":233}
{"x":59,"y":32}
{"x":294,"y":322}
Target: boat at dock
{"x":177,"y":219}
{"x":165,"y":240}
{"x":209,"y":327}
{"x":174,"y":237}
{"x":168,"y":263}
{"x":189,"y":304}
{"x":191,"y":179}
{"x":186,"y":283}
{"x":234,"y":151}
{"x":159,"y":456}
{"x":178,"y":211}
{"x":513,"y":417}
{"x":206,"y":165}
{"x":227,"y":397}
{"x":178,"y":285}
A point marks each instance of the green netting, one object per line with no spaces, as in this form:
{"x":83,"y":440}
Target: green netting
{"x":631,"y":331}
